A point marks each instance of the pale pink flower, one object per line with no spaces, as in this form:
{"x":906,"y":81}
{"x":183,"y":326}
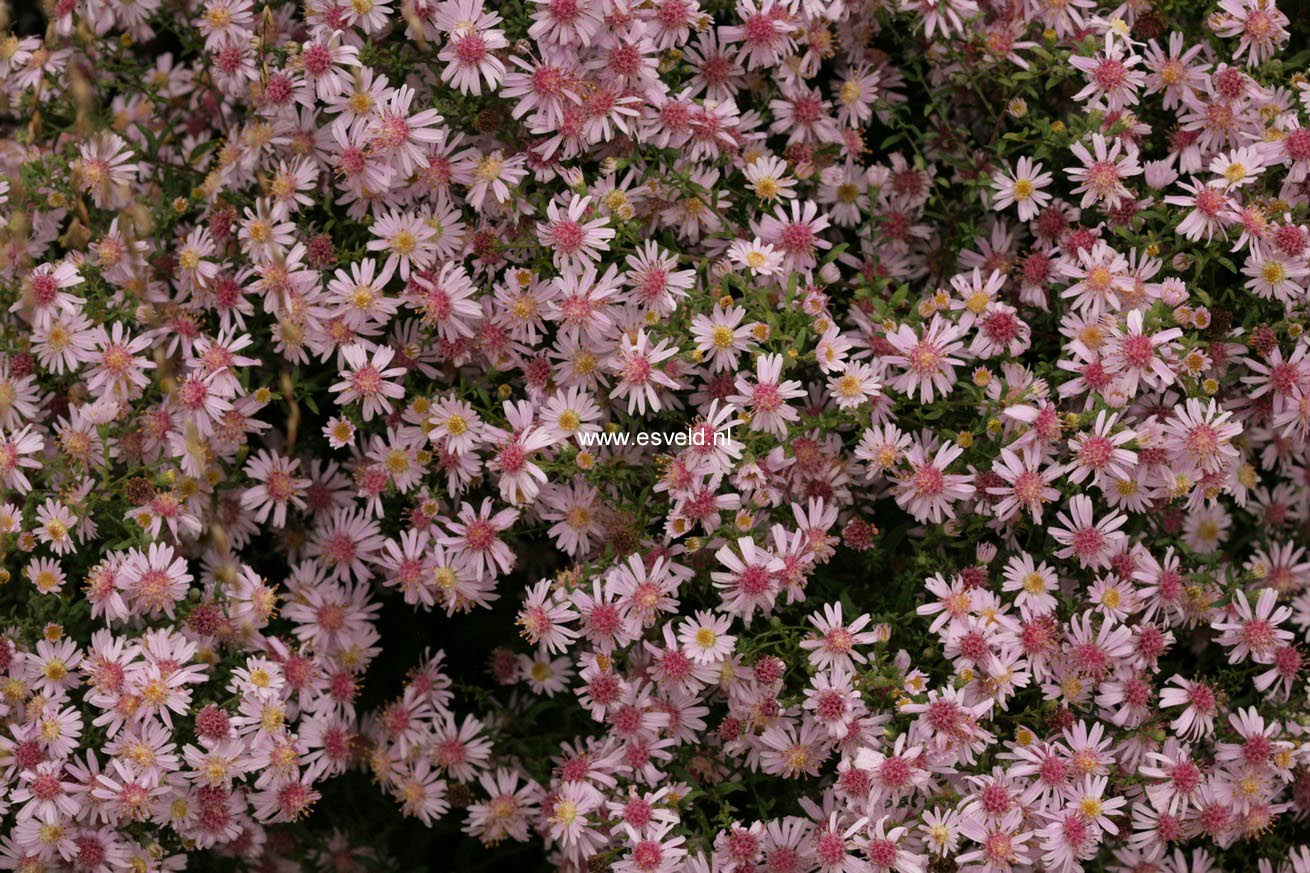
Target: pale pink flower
{"x":367,"y":379}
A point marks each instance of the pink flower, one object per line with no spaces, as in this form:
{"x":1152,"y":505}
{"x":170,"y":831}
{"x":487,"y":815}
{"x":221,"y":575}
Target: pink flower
{"x":833,"y":644}
{"x":1104,"y":169}
{"x":637,"y":365}
{"x":573,"y":242}
{"x":1111,"y":79}
{"x":476,"y":535}
{"x":1254,"y":633}
{"x":368,"y":379}
{"x":1201,"y":437}
{"x":1260,"y":26}
{"x":1024,"y":186}
{"x":472,"y":38}
{"x":1028,"y":485}
{"x":929,"y":361}
{"x":1199,"y":707}
{"x":766,"y":399}
{"x":926,"y":490}
{"x":1091,"y":542}
{"x":155,"y":580}
{"x":796,"y":235}
{"x":399,"y":136}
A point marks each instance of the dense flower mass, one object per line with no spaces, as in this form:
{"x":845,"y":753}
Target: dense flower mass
{"x":722,"y":436}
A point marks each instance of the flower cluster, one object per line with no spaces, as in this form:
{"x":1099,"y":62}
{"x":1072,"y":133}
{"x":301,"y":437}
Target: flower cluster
{"x":327,"y":330}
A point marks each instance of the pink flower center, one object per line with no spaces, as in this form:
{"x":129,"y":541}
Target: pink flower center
{"x":894,"y":773}
{"x":1138,"y":351}
{"x":567,"y":235}
{"x":512,"y":458}
{"x":806,"y":110}
{"x":755,"y":580}
{"x":637,"y":371}
{"x":995,"y":799}
{"x":766,"y":397}
{"x":882,"y":853}
{"x":317,"y":59}
{"x":564,"y":11}
{"x":925,"y":359}
{"x":1001,"y":327}
{"x":46,"y":787}
{"x":647,"y":855}
{"x":470,"y":49}
{"x":1088,"y":542}
{"x":758,"y":30}
{"x":830,"y":848}
{"x":1110,"y":75}
{"x":743,"y":846}
{"x":392,"y":132}
{"x":998,"y":847}
{"x":672,"y":13}
{"x":796,"y":239}
{"x":1102,"y":177}
{"x":90,"y":852}
{"x":1028,"y":487}
{"x":1201,"y":698}
{"x":193,"y":393}
{"x":278,"y":486}
{"x":1210,"y":202}
{"x":944,"y":716}
{"x":929,"y":481}
{"x":1186,"y":777}
{"x":1096,"y":452}
{"x":830,"y":706}
{"x":1203,"y":441}
{"x":479,"y":535}
{"x":366,"y":381}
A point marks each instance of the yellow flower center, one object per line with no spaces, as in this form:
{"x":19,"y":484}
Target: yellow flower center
{"x":403,"y":243}
{"x":767,"y":188}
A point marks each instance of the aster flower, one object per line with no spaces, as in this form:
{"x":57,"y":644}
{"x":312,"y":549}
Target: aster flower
{"x":926,"y":490}
{"x":1199,"y":706}
{"x":768,"y":178}
{"x":574,"y":243}
{"x":1254,"y":633}
{"x":796,"y":233}
{"x":929,"y":361}
{"x":637,"y":364}
{"x":472,"y":38}
{"x":1101,"y":177}
{"x":1090,"y":541}
{"x":278,"y":487}
{"x":407,"y":240}
{"x":367,"y":379}
{"x":1024,"y":187}
{"x":16,"y":451}
{"x":1112,"y":83}
{"x":1101,"y":453}
{"x":721,"y":336}
{"x":47,"y":295}
{"x":1028,"y":483}
{"x":765,"y":32}
{"x":767,"y":397}
{"x":106,"y":170}
{"x":1201,"y":436}
{"x":833,"y":643}
{"x":476,"y":535}
{"x":1259,"y":25}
